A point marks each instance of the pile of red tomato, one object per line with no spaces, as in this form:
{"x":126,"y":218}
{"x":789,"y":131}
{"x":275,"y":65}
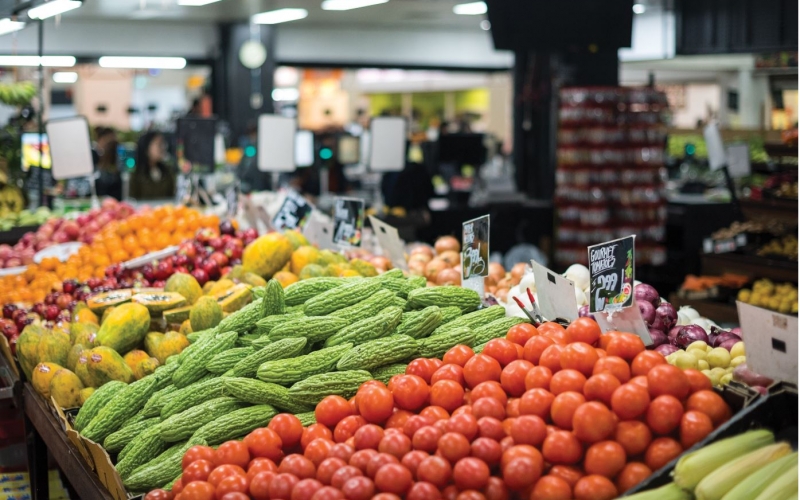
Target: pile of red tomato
{"x":543,"y":414}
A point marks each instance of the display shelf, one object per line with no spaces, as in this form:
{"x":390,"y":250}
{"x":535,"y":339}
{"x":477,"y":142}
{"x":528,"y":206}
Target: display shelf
{"x":45,"y":434}
{"x":753,"y":266}
{"x":14,"y":234}
{"x":719,"y":312}
{"x":770,"y":208}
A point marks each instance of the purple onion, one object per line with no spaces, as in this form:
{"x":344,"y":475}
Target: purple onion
{"x":583,"y":312}
{"x":689,"y":334}
{"x":659,"y":324}
{"x":647,"y":310}
{"x":673,"y":334}
{"x":728,"y":344}
{"x":646,"y":293}
{"x":736,"y":331}
{"x":666,"y":349}
{"x":659,"y":338}
{"x":666,"y":313}
{"x":747,"y":376}
{"x":724,"y":337}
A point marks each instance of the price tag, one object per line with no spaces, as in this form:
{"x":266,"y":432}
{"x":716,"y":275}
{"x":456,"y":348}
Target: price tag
{"x":232,"y":200}
{"x":319,"y":232}
{"x":771,"y":340}
{"x":738,"y":160}
{"x":714,"y":146}
{"x":183,"y":190}
{"x":611,"y":274}
{"x":555,"y":294}
{"x":293,"y":214}
{"x":348,"y":221}
{"x":475,"y":253}
{"x":390,"y":242}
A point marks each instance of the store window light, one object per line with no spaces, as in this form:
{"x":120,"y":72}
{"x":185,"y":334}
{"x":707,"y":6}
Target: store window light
{"x":638,"y":8}
{"x":470,"y":9}
{"x":53,"y":8}
{"x":195,"y":3}
{"x":279,"y":16}
{"x":288,"y":94}
{"x":8,"y":26}
{"x":65,"y":77}
{"x":50,"y":61}
{"x":142,"y":62}
{"x":349,"y":4}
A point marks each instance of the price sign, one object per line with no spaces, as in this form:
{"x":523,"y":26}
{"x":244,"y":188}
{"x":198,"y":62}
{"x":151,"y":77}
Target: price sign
{"x":556,"y":294}
{"x":348,"y":221}
{"x":475,"y":253}
{"x":293,"y":214}
{"x":232,"y":200}
{"x":319,"y":231}
{"x":390,"y":242}
{"x":611,"y":274}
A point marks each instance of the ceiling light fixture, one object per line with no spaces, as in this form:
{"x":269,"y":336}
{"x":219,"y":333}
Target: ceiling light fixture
{"x":279,"y":16}
{"x":638,"y":8}
{"x":50,"y":61}
{"x":65,"y":77}
{"x":8,"y":26}
{"x":142,"y":62}
{"x":470,"y":9}
{"x":195,"y":3}
{"x":485,"y":25}
{"x":349,"y":4}
{"x":53,"y":8}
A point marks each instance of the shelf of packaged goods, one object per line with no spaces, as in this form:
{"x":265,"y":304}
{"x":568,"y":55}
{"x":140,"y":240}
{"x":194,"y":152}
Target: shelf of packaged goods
{"x":781,"y":209}
{"x":718,"y":312}
{"x":753,"y":266}
{"x":45,"y":434}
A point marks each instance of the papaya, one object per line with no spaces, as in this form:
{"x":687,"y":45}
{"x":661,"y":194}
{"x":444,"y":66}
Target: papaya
{"x":82,"y":371}
{"x":106,"y":314}
{"x":86,"y":393}
{"x":312,"y":271}
{"x":364,"y":268}
{"x":267,"y":254}
{"x":82,"y":314}
{"x":208,"y":286}
{"x":99,"y":303}
{"x":74,"y":354}
{"x":54,"y":347}
{"x":221,"y":286}
{"x":163,"y":345}
{"x":124,"y":328}
{"x":234,"y":274}
{"x":145,"y":367}
{"x":186,"y":285}
{"x":105,"y":364}
{"x":349,"y":273}
{"x":42,"y":374}
{"x":178,"y":315}
{"x":135,"y":357}
{"x":235,"y":298}
{"x":186,"y":327}
{"x":65,"y":388}
{"x":253,"y":279}
{"x":329,"y":257}
{"x":302,"y":257}
{"x":296,"y":238}
{"x":28,"y":348}
{"x":285,"y":278}
{"x":205,"y":314}
{"x":336,"y":270}
{"x":84,"y":334}
{"x":158,"y":302}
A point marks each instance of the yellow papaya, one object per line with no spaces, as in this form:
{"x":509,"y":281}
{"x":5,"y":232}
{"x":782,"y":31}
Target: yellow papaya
{"x":86,"y":393}
{"x":105,"y":364}
{"x":253,"y":279}
{"x":135,"y":357}
{"x":206,"y":313}
{"x":65,"y":388}
{"x":220,"y":286}
{"x":302,"y":257}
{"x":28,"y":348}
{"x":54,"y":347}
{"x":184,"y":284}
{"x":145,"y":367}
{"x":125,"y":327}
{"x":82,"y":371}
{"x":163,"y":345}
{"x":42,"y":374}
{"x":84,"y":315}
{"x":285,"y":278}
{"x":84,"y":334}
{"x":267,"y":254}
{"x":74,"y":354}
{"x":186,"y":327}
{"x":296,"y":238}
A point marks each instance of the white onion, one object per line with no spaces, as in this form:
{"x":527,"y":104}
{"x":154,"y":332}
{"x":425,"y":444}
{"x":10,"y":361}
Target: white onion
{"x":690,"y":312}
{"x":579,"y":274}
{"x":704,"y":323}
{"x":580,"y":297}
{"x":683,"y":319}
{"x":528,"y":281}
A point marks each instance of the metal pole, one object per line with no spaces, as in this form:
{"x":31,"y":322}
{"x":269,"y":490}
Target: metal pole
{"x":42,"y":197}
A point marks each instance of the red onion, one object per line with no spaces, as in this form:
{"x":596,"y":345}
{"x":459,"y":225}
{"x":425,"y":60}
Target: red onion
{"x":760,"y":389}
{"x":723,"y":337}
{"x":747,"y":376}
{"x":647,"y":310}
{"x":583,"y":312}
{"x":659,"y":338}
{"x":659,"y":324}
{"x":689,"y":334}
{"x":736,"y":331}
{"x":673,"y":334}
{"x":666,"y":349}
{"x":728,"y":344}
{"x":667,"y":314}
{"x":646,"y":293}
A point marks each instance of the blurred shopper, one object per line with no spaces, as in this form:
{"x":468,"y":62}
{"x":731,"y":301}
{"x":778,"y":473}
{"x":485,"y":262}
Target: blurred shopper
{"x":152,"y":179}
{"x":108,"y":181}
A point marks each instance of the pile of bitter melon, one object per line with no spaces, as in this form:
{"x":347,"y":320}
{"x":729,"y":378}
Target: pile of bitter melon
{"x":283,"y":352}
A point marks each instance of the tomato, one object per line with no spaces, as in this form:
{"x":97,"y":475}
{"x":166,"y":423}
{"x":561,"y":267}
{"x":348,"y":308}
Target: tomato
{"x":562,"y":448}
{"x":600,"y":387}
{"x":398,"y":419}
{"x":177,"y":487}
{"x":232,"y":484}
{"x":615,"y":366}
{"x":378,"y":461}
{"x":549,"y":327}
{"x":512,"y":378}
{"x":646,"y":360}
{"x":453,"y":446}
{"x":634,"y":436}
{"x":412,"y":460}
{"x":594,"y":487}
{"x":197,"y":453}
{"x":489,"y":389}
{"x":198,"y":470}
{"x":538,"y":376}
{"x":481,"y":368}
{"x":630,"y":400}
{"x":534,"y":348}
{"x":235,"y":495}
{"x":435,"y":413}
{"x":486,"y":449}
{"x":342,"y":475}
{"x":551,"y":488}
{"x":632,"y":474}
{"x":327,"y":493}
{"x":426,"y":439}
{"x":605,"y":458}
{"x":313,"y":432}
{"x":551,"y":358}
{"x":327,"y":467}
{"x":536,"y":402}
{"x":358,"y":488}
{"x":567,"y":473}
{"x":410,"y":392}
{"x":521,"y":472}
{"x":288,"y":428}
{"x":393,"y":478}
{"x":584,"y":330}
{"x":488,"y":407}
{"x":506,"y":443}
{"x":661,"y":451}
{"x":520,"y":334}
{"x":435,"y":470}
{"x":449,"y":372}
{"x":694,"y":427}
{"x":470,"y":473}
{"x":414,"y":423}
{"x":664,"y":414}
{"x":198,"y":490}
{"x":298,"y":465}
{"x":710,"y":403}
{"x":331,"y":410}
{"x":667,"y":380}
{"x":318,"y":450}
{"x":372,"y":383}
{"x":528,"y":429}
{"x":158,"y":494}
{"x":368,"y":436}
{"x":395,"y":444}
{"x":563,"y":408}
{"x":386,"y":496}
{"x":567,"y":380}
{"x":579,"y":356}
{"x":502,"y":350}
{"x":361,"y":458}
{"x":458,"y":355}
{"x":625,"y":346}
{"x":375,"y":403}
{"x":464,"y":424}
{"x":422,"y":490}
{"x":697,"y":381}
{"x":512,"y":408}
{"x":491,"y":427}
{"x":593,"y":422}
{"x":447,"y":394}
{"x":222,"y":471}
{"x":262,"y":442}
{"x":347,"y":427}
{"x":234,"y":452}
{"x":424,"y":368}
{"x":305,"y":489}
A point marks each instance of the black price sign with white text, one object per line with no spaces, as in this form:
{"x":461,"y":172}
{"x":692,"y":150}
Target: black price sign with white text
{"x":348,"y":221}
{"x":611,"y":275}
{"x":475,"y":248}
{"x":293,"y":214}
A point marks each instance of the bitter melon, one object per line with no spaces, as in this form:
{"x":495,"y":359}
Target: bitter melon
{"x":235,"y":423}
{"x":242,"y":320}
{"x":182,"y":425}
{"x":96,"y":402}
{"x":192,"y":395}
{"x":122,"y":406}
{"x":419,"y":324}
{"x":307,"y":418}
{"x":473,"y":320}
{"x":299,"y":292}
{"x":313,"y":328}
{"x":378,"y":352}
{"x":315,"y":388}
{"x":384,"y":373}
{"x":437,"y":345}
{"x":367,"y":329}
{"x":289,"y":371}
{"x":450,"y":313}
{"x":465,"y":299}
{"x":192,"y":368}
{"x":161,"y":470}
{"x":273,"y":301}
{"x":258,"y":392}
{"x":116,"y":441}
{"x":495,"y":329}
{"x":342,"y":296}
{"x":376,"y":302}
{"x":145,"y":447}
{"x":286,"y":348}
{"x":226,"y":360}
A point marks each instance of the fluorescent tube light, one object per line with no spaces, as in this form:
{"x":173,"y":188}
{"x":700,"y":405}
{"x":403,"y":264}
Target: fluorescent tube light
{"x":285,"y":94}
{"x":57,"y":61}
{"x":65,"y":77}
{"x":53,"y":8}
{"x":196,"y":3}
{"x":639,"y":8}
{"x":279,"y":16}
{"x":142,"y":62}
{"x":8,"y":26}
{"x":349,"y":4}
{"x":470,"y":9}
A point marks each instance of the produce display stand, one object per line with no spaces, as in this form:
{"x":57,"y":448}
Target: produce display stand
{"x":13,"y":235}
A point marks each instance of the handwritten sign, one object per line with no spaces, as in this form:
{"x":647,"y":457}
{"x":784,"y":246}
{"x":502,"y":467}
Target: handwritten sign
{"x":348,"y":221}
{"x":611,"y":272}
{"x":293,"y":214}
{"x":475,"y":245}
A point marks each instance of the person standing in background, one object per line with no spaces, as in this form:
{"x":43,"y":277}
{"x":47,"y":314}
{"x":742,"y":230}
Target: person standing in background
{"x":152,"y":179}
{"x":108,"y":181}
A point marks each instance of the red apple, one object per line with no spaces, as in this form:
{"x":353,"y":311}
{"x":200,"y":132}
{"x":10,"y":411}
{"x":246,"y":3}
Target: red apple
{"x":211,"y":267}
{"x":220,"y":257}
{"x":201,"y":276}
{"x":164,"y":269}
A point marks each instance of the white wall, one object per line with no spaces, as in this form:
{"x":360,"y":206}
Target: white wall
{"x":653,"y":36}
{"x":698,"y":100}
